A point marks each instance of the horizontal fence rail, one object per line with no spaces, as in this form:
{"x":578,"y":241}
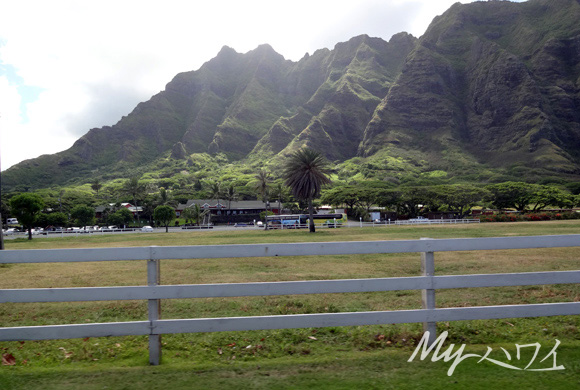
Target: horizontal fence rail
{"x":297,"y":249}
{"x":293,"y":321}
{"x":222,"y":290}
{"x":418,"y":222}
{"x":154,"y":291}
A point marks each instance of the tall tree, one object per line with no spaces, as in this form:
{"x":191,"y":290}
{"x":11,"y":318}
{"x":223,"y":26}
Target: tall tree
{"x":121,"y":217}
{"x":57,"y":219}
{"x":165,"y":198}
{"x":413,"y":199}
{"x":26,"y":207}
{"x":84,"y":215}
{"x":550,"y":196}
{"x":390,"y":199}
{"x":459,"y":198}
{"x":3,"y":211}
{"x":148,"y":204}
{"x":96,"y":185}
{"x":305,"y":173}
{"x":60,"y":195}
{"x":511,"y":194}
{"x":163,"y":216}
{"x":187,"y":214}
{"x":230,"y":194}
{"x":194,"y":213}
{"x":262,"y":183}
{"x":280,"y":192}
{"x":134,"y":188}
{"x":342,"y":195}
{"x":214,"y":189}
{"x":368,"y":197}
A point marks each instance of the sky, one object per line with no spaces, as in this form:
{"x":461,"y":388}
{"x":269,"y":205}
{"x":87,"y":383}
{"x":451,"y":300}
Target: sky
{"x":69,"y":66}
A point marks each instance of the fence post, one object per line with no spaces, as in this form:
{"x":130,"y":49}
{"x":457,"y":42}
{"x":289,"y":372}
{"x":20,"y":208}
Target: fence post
{"x":154,"y":309}
{"x":428,"y":295}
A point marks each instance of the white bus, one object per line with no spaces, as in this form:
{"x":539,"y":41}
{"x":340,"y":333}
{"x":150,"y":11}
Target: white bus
{"x":297,"y":221}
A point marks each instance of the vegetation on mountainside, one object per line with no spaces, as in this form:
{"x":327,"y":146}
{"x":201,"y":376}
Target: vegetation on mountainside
{"x":486,"y":95}
{"x":476,"y":90}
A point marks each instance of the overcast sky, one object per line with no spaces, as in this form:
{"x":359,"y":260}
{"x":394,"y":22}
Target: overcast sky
{"x":69,"y":66}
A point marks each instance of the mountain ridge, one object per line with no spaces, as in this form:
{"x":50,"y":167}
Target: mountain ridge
{"x":490,"y":85}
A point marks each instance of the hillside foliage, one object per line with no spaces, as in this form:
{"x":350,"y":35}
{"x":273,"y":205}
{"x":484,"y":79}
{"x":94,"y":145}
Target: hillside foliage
{"x":490,"y":93}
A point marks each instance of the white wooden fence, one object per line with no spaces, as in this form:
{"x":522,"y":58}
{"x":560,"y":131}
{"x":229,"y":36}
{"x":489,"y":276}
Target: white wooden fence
{"x":154,"y":292}
{"x":418,"y":222}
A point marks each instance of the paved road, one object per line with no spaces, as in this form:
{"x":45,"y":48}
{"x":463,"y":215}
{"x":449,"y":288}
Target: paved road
{"x":350,"y":224}
{"x":156,"y":230}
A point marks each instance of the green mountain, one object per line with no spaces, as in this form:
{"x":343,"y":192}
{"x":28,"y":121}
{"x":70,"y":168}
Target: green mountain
{"x":493,"y":83}
{"x":491,"y":89}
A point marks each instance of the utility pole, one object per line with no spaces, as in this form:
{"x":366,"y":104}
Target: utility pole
{"x":1,"y":226}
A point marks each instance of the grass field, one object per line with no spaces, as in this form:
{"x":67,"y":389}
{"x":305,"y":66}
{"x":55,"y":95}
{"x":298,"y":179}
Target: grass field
{"x":340,"y":357}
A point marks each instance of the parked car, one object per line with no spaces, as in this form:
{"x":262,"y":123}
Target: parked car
{"x":10,"y":231}
{"x":419,"y":219}
{"x":146,"y":229}
{"x":109,"y":228}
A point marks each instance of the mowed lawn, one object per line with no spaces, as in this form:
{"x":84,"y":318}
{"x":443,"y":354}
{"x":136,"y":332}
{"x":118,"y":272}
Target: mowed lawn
{"x":340,"y":357}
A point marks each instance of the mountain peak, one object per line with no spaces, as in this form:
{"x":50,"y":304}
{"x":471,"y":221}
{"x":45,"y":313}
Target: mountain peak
{"x":264,"y":47}
{"x":226,"y":51}
{"x":489,"y":86}
{"x":265,"y":51}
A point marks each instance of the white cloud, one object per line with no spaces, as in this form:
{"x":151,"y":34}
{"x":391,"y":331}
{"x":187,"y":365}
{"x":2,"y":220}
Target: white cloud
{"x":9,"y":118}
{"x":20,"y":140}
{"x":94,"y":61}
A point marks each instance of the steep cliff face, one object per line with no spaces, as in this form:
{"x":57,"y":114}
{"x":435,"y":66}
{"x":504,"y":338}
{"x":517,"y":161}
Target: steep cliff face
{"x":498,"y":81}
{"x":243,"y":105}
{"x":357,"y":74}
{"x":490,"y":84}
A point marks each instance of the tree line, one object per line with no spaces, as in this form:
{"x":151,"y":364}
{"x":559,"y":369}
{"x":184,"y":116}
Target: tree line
{"x":413,"y":201}
{"x":304,"y":177}
{"x":305,"y":173}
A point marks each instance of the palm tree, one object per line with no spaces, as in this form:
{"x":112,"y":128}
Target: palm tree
{"x":280,"y":193}
{"x":194,"y":213}
{"x":262,"y":186}
{"x":96,"y":185}
{"x":305,"y":173}
{"x":60,"y":195}
{"x":165,"y":198}
{"x":231,"y":195}
{"x":135,"y":189}
{"x":214,"y":190}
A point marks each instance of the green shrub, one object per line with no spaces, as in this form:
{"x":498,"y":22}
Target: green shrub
{"x":544,"y":216}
